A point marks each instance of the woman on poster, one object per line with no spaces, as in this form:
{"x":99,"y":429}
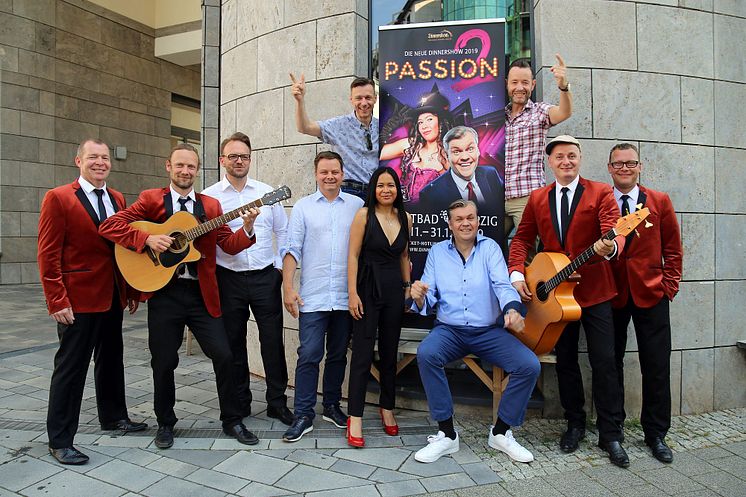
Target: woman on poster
{"x":378,"y":279}
{"x":422,"y":156}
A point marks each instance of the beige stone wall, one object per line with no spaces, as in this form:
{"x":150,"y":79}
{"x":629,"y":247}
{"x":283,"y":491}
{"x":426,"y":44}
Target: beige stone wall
{"x":70,"y":70}
{"x":260,"y":43}
{"x":669,"y":77}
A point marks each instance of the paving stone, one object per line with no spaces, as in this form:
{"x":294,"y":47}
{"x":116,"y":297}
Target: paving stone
{"x":256,"y":489}
{"x":220,"y":481}
{"x":233,"y":444}
{"x":384,"y":458}
{"x":386,"y":476}
{"x":724,"y":484}
{"x":331,"y":443}
{"x":535,"y":487}
{"x":671,"y":481}
{"x":192,"y":443}
{"x":71,"y":484}
{"x":172,"y":467}
{"x":443,"y":466}
{"x":278,"y":453}
{"x":106,"y":450}
{"x":169,"y":486}
{"x":400,"y":488}
{"x":23,"y":471}
{"x":304,"y":443}
{"x":691,"y":465}
{"x":311,"y":458}
{"x":126,"y":475}
{"x":465,"y":456}
{"x":363,"y":491}
{"x":124,"y":441}
{"x":446,"y":482}
{"x":481,"y":473}
{"x":307,"y":479}
{"x":352,"y":468}
{"x":139,"y":457}
{"x":255,"y":467}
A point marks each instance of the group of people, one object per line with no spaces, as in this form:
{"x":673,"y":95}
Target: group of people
{"x":350,"y":241}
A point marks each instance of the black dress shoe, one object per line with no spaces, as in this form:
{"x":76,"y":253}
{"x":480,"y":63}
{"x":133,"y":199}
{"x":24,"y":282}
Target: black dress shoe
{"x":570,"y":439}
{"x":301,"y":426}
{"x":282,"y":413}
{"x":661,"y":451}
{"x":240,"y":433}
{"x":68,"y":455}
{"x":616,"y":452}
{"x":165,"y":437}
{"x":335,"y":416}
{"x":124,"y":425}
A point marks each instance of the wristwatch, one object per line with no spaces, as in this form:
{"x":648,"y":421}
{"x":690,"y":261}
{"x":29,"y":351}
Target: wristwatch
{"x":406,"y":284}
{"x":566,"y":88}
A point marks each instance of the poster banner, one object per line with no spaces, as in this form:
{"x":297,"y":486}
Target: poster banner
{"x":434,"y":78}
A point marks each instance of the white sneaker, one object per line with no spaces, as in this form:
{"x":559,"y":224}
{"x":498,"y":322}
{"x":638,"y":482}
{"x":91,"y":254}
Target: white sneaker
{"x":506,"y":443}
{"x":437,"y":446}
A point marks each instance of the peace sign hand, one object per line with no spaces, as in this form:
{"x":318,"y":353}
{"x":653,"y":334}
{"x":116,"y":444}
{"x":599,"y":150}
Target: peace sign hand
{"x":298,"y":88}
{"x":560,"y":70}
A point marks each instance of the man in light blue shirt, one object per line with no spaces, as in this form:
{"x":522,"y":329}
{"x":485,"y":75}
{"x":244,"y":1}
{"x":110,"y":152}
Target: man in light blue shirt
{"x":466,"y":282}
{"x":354,"y":135}
{"x":318,"y":238}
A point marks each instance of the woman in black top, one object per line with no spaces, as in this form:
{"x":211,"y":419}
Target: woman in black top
{"x":378,"y":284}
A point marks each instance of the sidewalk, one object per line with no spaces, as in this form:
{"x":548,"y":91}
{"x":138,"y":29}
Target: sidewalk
{"x":709,"y":449}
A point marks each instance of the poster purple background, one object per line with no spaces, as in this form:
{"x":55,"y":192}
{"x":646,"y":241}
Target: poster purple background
{"x":464,"y":62}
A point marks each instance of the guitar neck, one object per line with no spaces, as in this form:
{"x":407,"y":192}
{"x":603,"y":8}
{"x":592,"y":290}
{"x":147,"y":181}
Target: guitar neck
{"x":565,"y":272}
{"x":217,"y":222}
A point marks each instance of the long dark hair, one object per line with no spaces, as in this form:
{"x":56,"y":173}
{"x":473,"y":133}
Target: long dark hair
{"x":416,"y":142}
{"x":372,"y":201}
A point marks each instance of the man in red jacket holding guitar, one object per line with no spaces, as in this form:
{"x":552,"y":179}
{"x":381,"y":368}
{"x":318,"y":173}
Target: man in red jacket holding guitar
{"x":569,"y":216}
{"x":85,"y":295}
{"x":191,"y":298}
{"x":647,"y":277}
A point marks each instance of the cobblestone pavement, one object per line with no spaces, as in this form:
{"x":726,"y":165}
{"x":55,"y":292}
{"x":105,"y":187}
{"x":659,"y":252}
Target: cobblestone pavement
{"x":709,"y":449}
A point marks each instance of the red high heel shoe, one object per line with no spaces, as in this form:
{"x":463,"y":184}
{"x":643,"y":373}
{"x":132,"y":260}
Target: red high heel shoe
{"x":354,"y":441}
{"x":390,"y":430}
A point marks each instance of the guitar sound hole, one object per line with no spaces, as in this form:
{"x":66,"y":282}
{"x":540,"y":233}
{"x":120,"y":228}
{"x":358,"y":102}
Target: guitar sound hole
{"x":541,"y":292}
{"x":179,"y":243}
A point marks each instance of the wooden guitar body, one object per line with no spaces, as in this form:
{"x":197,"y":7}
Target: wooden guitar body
{"x":547,"y":318}
{"x":148,"y":271}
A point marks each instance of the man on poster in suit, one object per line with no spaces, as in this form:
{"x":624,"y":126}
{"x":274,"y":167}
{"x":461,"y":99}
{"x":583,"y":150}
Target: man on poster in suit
{"x":569,"y":216}
{"x":647,"y":277}
{"x":191,"y":297}
{"x":85,"y":295}
{"x":466,"y":179}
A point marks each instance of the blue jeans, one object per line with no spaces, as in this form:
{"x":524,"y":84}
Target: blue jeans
{"x":447,"y":343}
{"x":336,"y":325}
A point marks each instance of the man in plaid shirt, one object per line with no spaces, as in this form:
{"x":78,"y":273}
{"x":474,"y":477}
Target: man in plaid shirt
{"x":526,"y":126}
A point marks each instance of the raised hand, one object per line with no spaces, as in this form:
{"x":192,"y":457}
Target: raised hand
{"x":560,"y":72}
{"x":298,"y":88}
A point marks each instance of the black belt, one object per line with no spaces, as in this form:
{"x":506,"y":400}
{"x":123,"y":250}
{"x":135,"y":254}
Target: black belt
{"x":250,"y":271}
{"x":351,"y":183}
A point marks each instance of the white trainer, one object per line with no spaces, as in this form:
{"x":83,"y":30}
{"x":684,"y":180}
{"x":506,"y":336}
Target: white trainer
{"x":437,"y":446}
{"x":506,"y":443}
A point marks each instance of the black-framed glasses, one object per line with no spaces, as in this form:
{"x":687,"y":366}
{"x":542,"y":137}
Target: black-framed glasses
{"x":368,"y":140}
{"x":631,"y":164}
{"x":235,"y":157}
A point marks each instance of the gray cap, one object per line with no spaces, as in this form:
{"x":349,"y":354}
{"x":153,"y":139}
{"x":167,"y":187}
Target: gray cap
{"x":561,"y":139}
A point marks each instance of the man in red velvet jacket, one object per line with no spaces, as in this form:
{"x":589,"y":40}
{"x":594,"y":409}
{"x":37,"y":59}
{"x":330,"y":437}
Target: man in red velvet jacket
{"x":569,"y":216}
{"x":191,"y":298}
{"x":647,"y":277}
{"x":85,"y":295}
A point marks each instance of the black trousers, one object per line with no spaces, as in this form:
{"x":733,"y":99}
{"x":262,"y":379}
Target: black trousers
{"x":384,"y":315}
{"x":607,"y":395}
{"x":176,"y":305}
{"x":259,"y":292}
{"x":653,"y":331}
{"x":98,"y":334}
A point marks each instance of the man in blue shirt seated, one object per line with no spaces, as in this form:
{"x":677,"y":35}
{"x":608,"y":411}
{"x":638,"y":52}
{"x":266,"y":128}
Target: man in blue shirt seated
{"x":466,"y":282}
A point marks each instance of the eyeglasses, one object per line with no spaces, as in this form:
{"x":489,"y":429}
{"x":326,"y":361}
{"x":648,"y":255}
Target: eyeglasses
{"x":235,"y":157}
{"x":631,"y":164}
{"x":368,"y":141}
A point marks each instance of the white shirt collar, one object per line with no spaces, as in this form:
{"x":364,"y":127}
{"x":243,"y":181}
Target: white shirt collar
{"x":226,"y":185}
{"x":175,"y":196}
{"x":572,"y":186}
{"x":87,"y":186}
{"x":461,"y":182}
{"x":634,"y":194}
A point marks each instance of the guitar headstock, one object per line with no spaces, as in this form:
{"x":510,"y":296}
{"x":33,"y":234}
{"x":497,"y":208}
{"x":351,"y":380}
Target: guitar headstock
{"x":282,"y":193}
{"x":625,"y":225}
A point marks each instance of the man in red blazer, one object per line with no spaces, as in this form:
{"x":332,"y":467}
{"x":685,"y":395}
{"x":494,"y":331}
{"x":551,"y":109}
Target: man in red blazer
{"x":191,"y":298}
{"x":85,"y":295}
{"x":647,"y":277}
{"x":569,"y":216}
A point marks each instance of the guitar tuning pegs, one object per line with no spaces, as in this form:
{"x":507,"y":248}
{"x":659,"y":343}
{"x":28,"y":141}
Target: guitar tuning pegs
{"x":638,"y":206}
{"x":648,"y":224}
{"x":637,"y":233}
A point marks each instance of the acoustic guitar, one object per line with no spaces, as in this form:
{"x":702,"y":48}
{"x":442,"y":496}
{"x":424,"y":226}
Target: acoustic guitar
{"x":149,"y":271}
{"x":551,"y":278}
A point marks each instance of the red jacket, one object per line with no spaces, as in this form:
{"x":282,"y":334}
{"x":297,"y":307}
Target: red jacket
{"x":593,"y":212}
{"x":650,"y":267}
{"x":151,"y":206}
{"x":76,"y":265}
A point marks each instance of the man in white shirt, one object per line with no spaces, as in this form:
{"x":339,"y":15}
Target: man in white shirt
{"x":250,"y":281}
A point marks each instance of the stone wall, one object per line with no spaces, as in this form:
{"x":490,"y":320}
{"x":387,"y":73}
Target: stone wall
{"x":71,"y":70}
{"x":669,"y":76}
{"x":260,"y":43}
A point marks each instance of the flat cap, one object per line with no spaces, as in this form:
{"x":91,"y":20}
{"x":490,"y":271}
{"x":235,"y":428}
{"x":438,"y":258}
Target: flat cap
{"x":561,"y":139}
